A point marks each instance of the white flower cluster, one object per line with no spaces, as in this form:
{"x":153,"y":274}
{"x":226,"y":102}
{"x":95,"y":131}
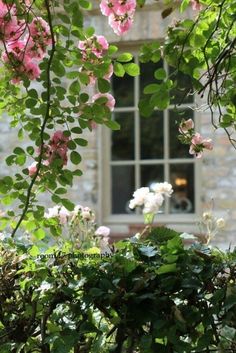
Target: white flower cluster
{"x":151,"y":201}
{"x":64,"y":215}
{"x":210,"y":225}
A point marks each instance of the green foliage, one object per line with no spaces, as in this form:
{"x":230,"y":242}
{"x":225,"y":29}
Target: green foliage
{"x":149,"y":295}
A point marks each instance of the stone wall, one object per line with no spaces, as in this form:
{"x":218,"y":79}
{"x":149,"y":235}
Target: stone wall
{"x":218,"y":171}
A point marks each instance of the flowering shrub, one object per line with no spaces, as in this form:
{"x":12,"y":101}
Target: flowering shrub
{"x":149,"y":293}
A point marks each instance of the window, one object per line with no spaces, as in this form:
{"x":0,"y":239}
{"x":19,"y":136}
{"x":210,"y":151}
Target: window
{"x":146,"y":150}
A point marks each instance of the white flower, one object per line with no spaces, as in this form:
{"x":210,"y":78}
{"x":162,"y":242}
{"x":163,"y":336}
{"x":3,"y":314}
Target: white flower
{"x":103,"y":231}
{"x":58,"y":211}
{"x":220,"y":223}
{"x":207,"y":216}
{"x":163,"y":188}
{"x":87,"y":214}
{"x":64,"y":214}
{"x":139,"y":197}
{"x":152,"y":202}
{"x":52,"y":212}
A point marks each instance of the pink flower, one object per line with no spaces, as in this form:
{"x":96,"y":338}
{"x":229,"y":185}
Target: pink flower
{"x":195,"y":4}
{"x":32,"y":169}
{"x":109,"y":73}
{"x":110,"y":99}
{"x":96,"y":45}
{"x":120,"y":24}
{"x":107,"y":6}
{"x":207,"y":143}
{"x":198,"y":144}
{"x":59,"y":138}
{"x":186,"y":125}
{"x":32,"y":70}
{"x":103,"y":231}
{"x":40,"y":31}
{"x":123,"y":7}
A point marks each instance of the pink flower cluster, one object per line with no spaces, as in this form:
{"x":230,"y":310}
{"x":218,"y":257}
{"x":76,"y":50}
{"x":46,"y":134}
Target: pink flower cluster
{"x":120,"y":14}
{"x":56,"y":149}
{"x":93,"y":49}
{"x":25,"y":43}
{"x":194,"y":139}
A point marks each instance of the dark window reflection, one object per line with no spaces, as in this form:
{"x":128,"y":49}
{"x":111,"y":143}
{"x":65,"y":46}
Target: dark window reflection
{"x":152,"y":136}
{"x":123,"y":139}
{"x":177,"y":149}
{"x":123,"y":90}
{"x":182,"y":180}
{"x":147,"y":74}
{"x":151,"y":174}
{"x":183,"y":92}
{"x":122,"y":188}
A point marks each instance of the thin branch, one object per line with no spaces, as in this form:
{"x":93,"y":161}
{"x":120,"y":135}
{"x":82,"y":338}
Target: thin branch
{"x":46,"y":118}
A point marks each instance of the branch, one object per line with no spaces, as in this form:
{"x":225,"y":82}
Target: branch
{"x":46,"y":118}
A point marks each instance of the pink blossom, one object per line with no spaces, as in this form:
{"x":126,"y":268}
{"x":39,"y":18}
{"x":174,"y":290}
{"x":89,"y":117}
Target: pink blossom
{"x":110,"y":99}
{"x":96,"y":45}
{"x":186,"y":125}
{"x":32,"y":70}
{"x":120,"y":24}
{"x":109,"y":73}
{"x":59,"y":138}
{"x":122,"y":7}
{"x":198,"y":144}
{"x":195,"y":4}
{"x":32,"y":169}
{"x":207,"y":143}
{"x":107,"y":6}
{"x":103,"y":231}
{"x":40,"y":31}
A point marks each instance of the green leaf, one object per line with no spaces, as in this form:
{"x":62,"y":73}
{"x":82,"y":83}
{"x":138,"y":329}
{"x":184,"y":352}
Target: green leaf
{"x":152,"y":88}
{"x":124,"y":57}
{"x":112,"y":125}
{"x":64,"y":18}
{"x":132,"y":69}
{"x":166,"y":269}
{"x":118,"y":69}
{"x":160,"y":74}
{"x":32,"y":93}
{"x":39,"y":234}
{"x":68,"y":204}
{"x":75,"y":157}
{"x":74,"y":88}
{"x":103,"y":85}
{"x":30,"y":103}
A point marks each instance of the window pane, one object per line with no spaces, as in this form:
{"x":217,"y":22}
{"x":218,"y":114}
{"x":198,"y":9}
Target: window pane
{"x":123,"y":139}
{"x":122,"y":188}
{"x":123,"y":90}
{"x":177,"y":149}
{"x":151,"y":131}
{"x":183,"y":92}
{"x":147,"y":74}
{"x":182,"y":180}
{"x":151,"y":174}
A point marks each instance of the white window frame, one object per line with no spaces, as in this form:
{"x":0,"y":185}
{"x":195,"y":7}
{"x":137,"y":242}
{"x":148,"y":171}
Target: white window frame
{"x":105,"y":163}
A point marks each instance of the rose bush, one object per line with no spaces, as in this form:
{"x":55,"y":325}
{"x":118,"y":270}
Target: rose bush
{"x":63,"y":288}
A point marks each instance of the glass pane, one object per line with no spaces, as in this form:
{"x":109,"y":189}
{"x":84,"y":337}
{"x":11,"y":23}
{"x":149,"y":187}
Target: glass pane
{"x":182,"y":180}
{"x":122,"y":188}
{"x":151,"y":174}
{"x":147,"y":74}
{"x":152,"y":136}
{"x":177,"y":149}
{"x":123,"y":139}
{"x":123,"y":90}
{"x":183,"y":92}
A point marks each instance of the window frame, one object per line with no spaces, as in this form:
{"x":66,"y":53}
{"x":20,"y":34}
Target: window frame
{"x":105,"y":163}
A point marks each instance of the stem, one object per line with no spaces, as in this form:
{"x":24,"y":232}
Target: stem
{"x":45,"y":120}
